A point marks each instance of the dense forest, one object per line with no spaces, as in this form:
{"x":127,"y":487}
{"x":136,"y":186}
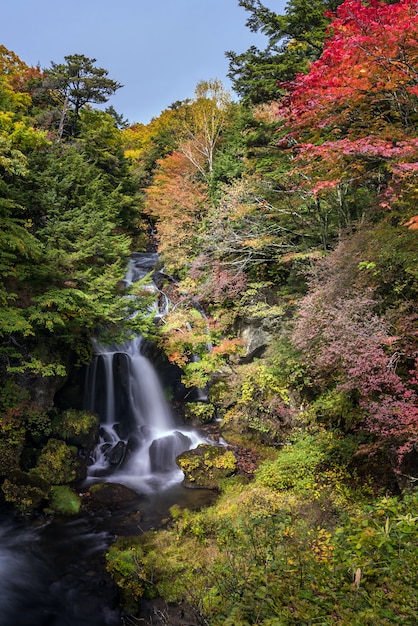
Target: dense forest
{"x":286,"y":222}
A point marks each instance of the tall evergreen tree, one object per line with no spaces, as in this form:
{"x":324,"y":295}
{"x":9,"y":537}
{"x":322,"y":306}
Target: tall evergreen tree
{"x":294,"y":40}
{"x":74,"y":84}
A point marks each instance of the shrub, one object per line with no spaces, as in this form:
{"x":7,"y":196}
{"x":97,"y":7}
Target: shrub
{"x":124,"y":563}
{"x":38,"y":423}
{"x":202,"y":412}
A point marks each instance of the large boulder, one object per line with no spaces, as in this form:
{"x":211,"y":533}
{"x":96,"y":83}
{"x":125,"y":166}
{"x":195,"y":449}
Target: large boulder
{"x":207,"y":466}
{"x":109,"y":496}
{"x":163,"y":451}
{"x":255,"y":340}
{"x":26,"y":491}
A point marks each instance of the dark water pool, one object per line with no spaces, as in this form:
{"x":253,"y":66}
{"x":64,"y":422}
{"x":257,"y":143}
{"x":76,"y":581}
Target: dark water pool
{"x":52,"y":572}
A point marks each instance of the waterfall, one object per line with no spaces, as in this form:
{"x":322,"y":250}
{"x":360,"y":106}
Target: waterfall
{"x":139,"y":438}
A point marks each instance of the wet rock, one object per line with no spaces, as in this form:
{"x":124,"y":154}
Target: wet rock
{"x":108,"y":496}
{"x":160,"y":613}
{"x":78,"y":428}
{"x":116,"y":455}
{"x":163,"y":451}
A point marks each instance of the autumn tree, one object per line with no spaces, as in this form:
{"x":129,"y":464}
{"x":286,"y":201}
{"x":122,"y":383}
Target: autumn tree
{"x":202,"y":123}
{"x":177,"y":200}
{"x":357,"y":340}
{"x":145,"y":144}
{"x":19,"y":75}
{"x":351,"y":120}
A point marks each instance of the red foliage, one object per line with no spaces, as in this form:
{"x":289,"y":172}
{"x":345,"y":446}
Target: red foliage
{"x":359,"y":100}
{"x":372,"y":49}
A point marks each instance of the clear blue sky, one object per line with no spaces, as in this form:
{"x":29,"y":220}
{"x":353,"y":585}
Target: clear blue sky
{"x":158,"y":49}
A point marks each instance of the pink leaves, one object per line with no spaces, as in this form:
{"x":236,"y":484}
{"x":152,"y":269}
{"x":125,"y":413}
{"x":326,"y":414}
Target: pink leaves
{"x":351,"y":349}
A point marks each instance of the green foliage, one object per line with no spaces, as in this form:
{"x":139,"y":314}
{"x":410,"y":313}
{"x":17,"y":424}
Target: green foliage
{"x":78,"y":428}
{"x":286,"y":363}
{"x":309,"y":464}
{"x":293,"y":41}
{"x":260,"y":404}
{"x":263,"y":557}
{"x":392,"y":252}
{"x":12,"y":394}
{"x":74,"y":84}
{"x":201,"y":412}
{"x":57,"y":463}
{"x":336,"y":409}
{"x":38,"y":422}
{"x":63,"y":501}
{"x":12,"y":442}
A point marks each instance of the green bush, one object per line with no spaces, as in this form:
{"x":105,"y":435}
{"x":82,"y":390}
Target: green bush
{"x":124,"y":563}
{"x":38,"y":423}
{"x":201,"y":412}
{"x":336,"y":409}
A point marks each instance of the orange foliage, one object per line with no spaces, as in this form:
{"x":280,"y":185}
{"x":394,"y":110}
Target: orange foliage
{"x":412,"y":224}
{"x":178,"y":200}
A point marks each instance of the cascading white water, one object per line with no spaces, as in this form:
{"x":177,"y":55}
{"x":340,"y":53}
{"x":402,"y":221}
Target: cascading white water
{"x":139,"y":439}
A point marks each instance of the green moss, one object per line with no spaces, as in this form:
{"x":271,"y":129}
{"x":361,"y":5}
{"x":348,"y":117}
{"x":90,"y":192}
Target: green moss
{"x":207,"y":466}
{"x":63,"y":500}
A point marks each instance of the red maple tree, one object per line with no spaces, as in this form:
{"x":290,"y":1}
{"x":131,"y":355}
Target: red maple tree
{"x":353,"y":116}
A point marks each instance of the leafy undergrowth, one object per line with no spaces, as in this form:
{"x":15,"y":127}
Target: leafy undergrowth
{"x":304,"y":543}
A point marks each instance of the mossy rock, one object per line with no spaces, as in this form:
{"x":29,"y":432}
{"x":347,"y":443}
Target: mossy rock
{"x":207,"y":466}
{"x":58,"y":463}
{"x":63,"y":500}
{"x":25,"y":491}
{"x":78,"y":428}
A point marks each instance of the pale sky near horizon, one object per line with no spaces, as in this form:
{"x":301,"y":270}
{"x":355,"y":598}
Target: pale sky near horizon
{"x":158,"y":49}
